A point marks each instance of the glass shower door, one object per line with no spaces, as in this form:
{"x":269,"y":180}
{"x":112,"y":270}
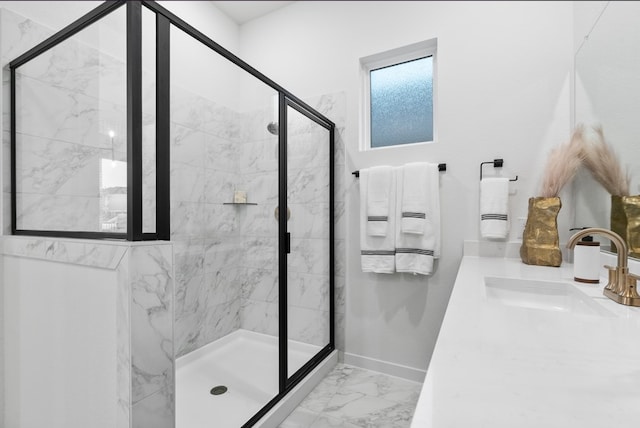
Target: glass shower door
{"x":309,"y":272}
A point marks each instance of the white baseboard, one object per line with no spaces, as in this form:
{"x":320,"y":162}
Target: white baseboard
{"x":392,"y":369}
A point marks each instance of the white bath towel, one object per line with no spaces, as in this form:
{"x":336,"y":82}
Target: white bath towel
{"x":377,"y":184}
{"x":377,"y":252}
{"x":494,"y":207}
{"x":415,"y":253}
{"x":416,"y":180}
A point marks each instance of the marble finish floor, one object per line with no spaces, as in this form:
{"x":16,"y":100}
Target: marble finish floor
{"x":351,"y":397}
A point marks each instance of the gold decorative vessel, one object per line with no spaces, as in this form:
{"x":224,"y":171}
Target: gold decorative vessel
{"x":540,"y":240}
{"x":625,"y":221}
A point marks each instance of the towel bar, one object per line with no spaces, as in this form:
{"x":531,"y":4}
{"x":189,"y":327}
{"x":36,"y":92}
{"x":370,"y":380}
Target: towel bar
{"x":497,"y":163}
{"x":441,"y":167}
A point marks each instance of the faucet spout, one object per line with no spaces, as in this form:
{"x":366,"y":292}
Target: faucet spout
{"x":622,"y":286}
{"x":621,"y":246}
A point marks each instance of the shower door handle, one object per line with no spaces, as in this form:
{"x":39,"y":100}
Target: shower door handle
{"x":288,"y":243}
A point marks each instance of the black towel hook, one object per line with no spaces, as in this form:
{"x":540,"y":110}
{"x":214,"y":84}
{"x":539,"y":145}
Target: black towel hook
{"x":497,"y":163}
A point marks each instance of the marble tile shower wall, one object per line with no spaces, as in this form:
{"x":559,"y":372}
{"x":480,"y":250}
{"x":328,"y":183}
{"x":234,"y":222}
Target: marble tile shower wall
{"x":17,"y":34}
{"x":204,"y":174}
{"x":70,"y":97}
{"x":226,"y":256}
{"x":308,"y":180}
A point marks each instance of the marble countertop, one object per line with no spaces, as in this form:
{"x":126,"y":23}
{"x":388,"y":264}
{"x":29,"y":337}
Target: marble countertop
{"x":501,"y":365}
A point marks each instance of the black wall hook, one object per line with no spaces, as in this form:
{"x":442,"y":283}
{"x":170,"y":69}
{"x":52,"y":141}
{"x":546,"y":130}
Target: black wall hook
{"x":497,"y":163}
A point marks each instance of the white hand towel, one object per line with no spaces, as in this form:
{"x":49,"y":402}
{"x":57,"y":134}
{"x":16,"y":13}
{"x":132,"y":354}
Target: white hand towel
{"x":415,"y":192}
{"x":377,"y":184}
{"x":377,"y":252}
{"x":415,"y":253}
{"x":494,"y":207}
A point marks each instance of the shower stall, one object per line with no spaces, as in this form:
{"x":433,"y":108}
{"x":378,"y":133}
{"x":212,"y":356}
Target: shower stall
{"x":131,"y":125}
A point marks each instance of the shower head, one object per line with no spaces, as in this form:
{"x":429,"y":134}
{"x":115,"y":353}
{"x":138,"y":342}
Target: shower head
{"x":272,"y":127}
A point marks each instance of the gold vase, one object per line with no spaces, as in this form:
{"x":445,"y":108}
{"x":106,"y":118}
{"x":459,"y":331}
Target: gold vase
{"x":625,"y":221}
{"x":540,"y":240}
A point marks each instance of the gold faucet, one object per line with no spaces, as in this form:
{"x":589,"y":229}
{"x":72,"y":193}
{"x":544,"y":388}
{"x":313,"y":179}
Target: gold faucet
{"x":622,"y":284}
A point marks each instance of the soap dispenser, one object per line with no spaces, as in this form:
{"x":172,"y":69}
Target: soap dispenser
{"x":586,"y":260}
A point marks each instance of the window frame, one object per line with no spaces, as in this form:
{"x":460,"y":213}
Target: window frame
{"x":390,"y":58}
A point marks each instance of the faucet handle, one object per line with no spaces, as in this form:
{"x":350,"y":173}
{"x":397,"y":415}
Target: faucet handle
{"x":631,"y":291}
{"x":613,"y":278}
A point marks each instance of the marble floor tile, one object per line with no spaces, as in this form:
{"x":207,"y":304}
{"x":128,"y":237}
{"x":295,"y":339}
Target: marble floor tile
{"x":351,"y":397}
{"x":300,"y":417}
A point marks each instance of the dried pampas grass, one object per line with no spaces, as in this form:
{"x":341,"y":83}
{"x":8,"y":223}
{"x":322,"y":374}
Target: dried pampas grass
{"x":603,"y":163}
{"x":562,"y":165}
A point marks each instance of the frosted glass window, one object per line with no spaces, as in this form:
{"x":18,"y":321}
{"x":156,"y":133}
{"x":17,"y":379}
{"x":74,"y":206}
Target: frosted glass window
{"x":402,"y":103}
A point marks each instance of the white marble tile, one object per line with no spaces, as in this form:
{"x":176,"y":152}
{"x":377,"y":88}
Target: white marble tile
{"x":187,"y":146}
{"x":191,"y":310}
{"x":340,"y":219}
{"x":309,"y":256}
{"x":223,"y":286}
{"x":186,"y":219}
{"x":259,"y":284}
{"x":340,"y":332}
{"x":333,"y":106}
{"x":221,"y":253}
{"x":187,"y":183}
{"x":221,"y":154}
{"x":59,"y":114}
{"x":308,"y":326}
{"x":340,"y":262}
{"x":222,"y":220}
{"x":77,"y":67}
{"x":258,"y":220}
{"x":340,"y":290}
{"x":57,"y":212}
{"x":259,"y":155}
{"x":339,"y":152}
{"x":309,"y":220}
{"x":324,"y":421}
{"x":322,"y":394}
{"x":309,"y":150}
{"x":260,"y":317}
{"x":260,"y":253}
{"x":96,"y":254}
{"x":222,"y":320}
{"x":205,"y":115}
{"x":190,"y":297}
{"x":223,"y":122}
{"x":261,"y":188}
{"x":189,"y":259}
{"x":300,"y":417}
{"x":50,"y":167}
{"x":308,"y":291}
{"x":151,"y":319}
{"x":123,"y":338}
{"x":379,"y":385}
{"x":308,"y":185}
{"x":219,"y":186}
{"x":364,"y":410}
{"x":18,"y":34}
{"x":6,"y":213}
{"x":155,"y":411}
{"x":255,"y":122}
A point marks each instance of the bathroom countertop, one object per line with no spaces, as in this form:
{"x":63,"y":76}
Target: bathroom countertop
{"x":497,"y":364}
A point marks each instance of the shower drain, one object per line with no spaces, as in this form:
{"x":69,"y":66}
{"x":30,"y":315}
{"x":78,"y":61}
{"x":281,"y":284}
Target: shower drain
{"x":218,"y":390}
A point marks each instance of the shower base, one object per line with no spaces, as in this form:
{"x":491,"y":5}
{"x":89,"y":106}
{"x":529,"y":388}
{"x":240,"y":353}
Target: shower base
{"x":246,"y":363}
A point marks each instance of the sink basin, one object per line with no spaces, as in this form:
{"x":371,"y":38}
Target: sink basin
{"x":542,"y":295}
